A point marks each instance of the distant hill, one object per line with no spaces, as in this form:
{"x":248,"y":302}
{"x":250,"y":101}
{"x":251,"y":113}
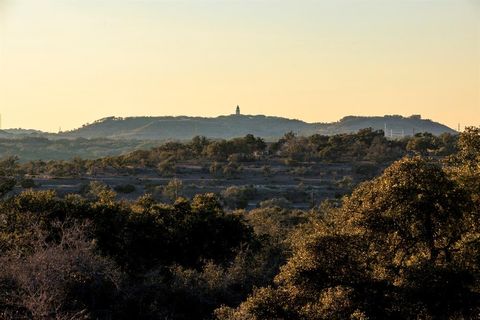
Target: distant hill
{"x":18,"y":132}
{"x":226,"y":127}
{"x":5,"y":135}
{"x":395,"y":124}
{"x":23,"y":131}
{"x":15,"y":134}
{"x":115,"y":136}
{"x":183,"y":128}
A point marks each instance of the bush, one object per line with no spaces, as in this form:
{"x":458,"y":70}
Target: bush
{"x":27,"y":183}
{"x":275,"y":202}
{"x":6,"y":185}
{"x":368,"y":170}
{"x":125,"y":188}
{"x":173,"y":189}
{"x":232,"y":170}
{"x":237,"y":197}
{"x":60,"y":280}
{"x":167,"y":167}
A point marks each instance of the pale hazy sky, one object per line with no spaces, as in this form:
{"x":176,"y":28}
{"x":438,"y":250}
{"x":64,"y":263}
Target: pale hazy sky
{"x":68,"y":62}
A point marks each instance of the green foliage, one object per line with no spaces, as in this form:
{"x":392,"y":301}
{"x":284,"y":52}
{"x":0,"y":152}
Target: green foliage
{"x":275,"y":202}
{"x":36,"y":149}
{"x":101,"y":193}
{"x":27,"y":183}
{"x":428,"y":144}
{"x":365,"y":145}
{"x":275,"y":222}
{"x":367,"y":169}
{"x":216,"y":169}
{"x":232,"y":170}
{"x":173,"y":189}
{"x":167,"y":167}
{"x":405,"y":245}
{"x":267,"y":171}
{"x":236,"y":197}
{"x":222,"y":150}
{"x":58,"y":280}
{"x":9,"y":166}
{"x":125,"y":188}
{"x":165,"y":293}
{"x":6,"y":185}
{"x":395,"y":249}
{"x":468,"y":154}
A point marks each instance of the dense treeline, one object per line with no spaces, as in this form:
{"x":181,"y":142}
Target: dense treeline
{"x":405,"y":245}
{"x":225,"y":156}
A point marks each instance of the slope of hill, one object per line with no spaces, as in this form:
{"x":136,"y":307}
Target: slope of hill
{"x":182,"y":128}
{"x":161,"y":128}
{"x":5,"y":135}
{"x":24,"y":133}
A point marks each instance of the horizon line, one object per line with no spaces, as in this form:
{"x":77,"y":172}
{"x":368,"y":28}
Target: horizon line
{"x":224,"y":115}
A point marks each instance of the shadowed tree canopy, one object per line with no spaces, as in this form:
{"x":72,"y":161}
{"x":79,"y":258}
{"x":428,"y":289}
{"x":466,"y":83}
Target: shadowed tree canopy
{"x":400,"y":247}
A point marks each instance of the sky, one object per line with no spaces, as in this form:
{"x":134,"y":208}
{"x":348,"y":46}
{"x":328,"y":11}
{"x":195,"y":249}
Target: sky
{"x":64,"y":63}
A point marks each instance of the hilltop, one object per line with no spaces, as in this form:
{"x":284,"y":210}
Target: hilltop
{"x":183,"y":128}
{"x":231,"y":126}
{"x":226,"y":127}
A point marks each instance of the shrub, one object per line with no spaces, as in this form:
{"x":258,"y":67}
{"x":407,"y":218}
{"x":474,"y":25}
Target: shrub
{"x":60,"y":280}
{"x":125,"y":188}
{"x":237,"y":197}
{"x":173,"y":189}
{"x":27,"y":183}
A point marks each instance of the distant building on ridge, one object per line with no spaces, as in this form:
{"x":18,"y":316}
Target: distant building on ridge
{"x":237,"y":112}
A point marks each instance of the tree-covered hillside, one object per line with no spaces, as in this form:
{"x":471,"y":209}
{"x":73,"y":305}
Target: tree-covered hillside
{"x":227,"y":127}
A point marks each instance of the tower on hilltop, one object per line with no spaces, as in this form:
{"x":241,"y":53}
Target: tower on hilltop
{"x":237,"y":112}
